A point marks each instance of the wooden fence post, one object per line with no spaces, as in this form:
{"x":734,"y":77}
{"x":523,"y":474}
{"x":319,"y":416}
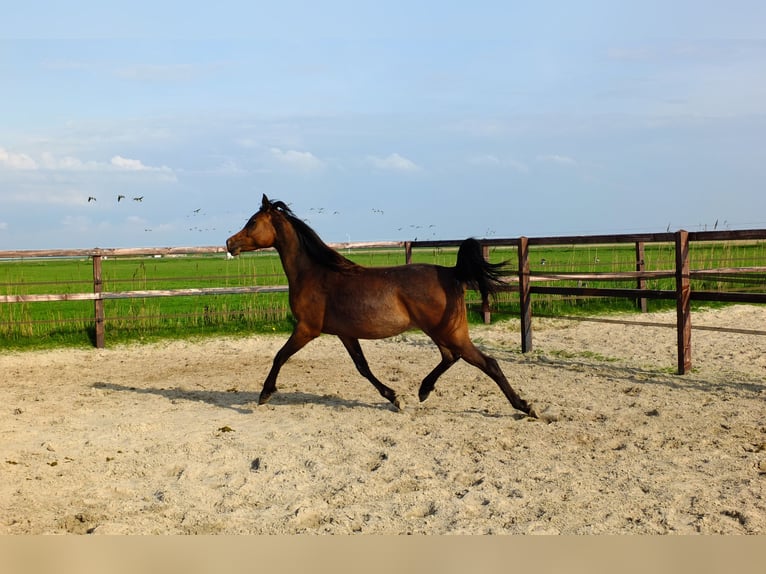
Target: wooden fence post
{"x":98,"y":304}
{"x":525,"y":298}
{"x":408,"y":252}
{"x":640,"y":267}
{"x":485,"y":305}
{"x":683,"y":303}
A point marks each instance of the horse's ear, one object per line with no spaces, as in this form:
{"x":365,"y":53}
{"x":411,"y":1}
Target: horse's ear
{"x":265,"y":203}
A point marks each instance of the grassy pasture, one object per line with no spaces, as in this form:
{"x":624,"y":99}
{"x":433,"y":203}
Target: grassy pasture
{"x":24,"y":325}
{"x":71,"y":322}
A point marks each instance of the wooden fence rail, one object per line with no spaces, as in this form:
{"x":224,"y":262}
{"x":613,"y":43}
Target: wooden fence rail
{"x":525,"y":281}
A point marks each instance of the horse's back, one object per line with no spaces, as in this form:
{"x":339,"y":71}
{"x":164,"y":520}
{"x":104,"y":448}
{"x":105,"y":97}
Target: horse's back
{"x":417,"y":283}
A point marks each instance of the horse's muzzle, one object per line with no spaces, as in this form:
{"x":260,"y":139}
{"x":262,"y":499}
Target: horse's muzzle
{"x":232,"y":248}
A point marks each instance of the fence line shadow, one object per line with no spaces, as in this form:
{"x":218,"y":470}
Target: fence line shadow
{"x":637,"y":375}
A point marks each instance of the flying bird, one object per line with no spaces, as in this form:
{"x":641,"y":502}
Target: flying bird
{"x":139,"y":198}
{"x":91,"y":198}
{"x":120,"y":198}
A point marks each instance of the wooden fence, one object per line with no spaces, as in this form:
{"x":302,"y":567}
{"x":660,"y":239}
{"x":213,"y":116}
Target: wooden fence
{"x":98,"y":295}
{"x":682,"y":273}
{"x":524,"y":281}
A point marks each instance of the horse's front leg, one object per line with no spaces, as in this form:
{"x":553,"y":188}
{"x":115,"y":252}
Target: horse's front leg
{"x":298,"y":339}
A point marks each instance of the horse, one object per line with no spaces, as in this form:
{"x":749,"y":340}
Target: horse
{"x":330,"y":294}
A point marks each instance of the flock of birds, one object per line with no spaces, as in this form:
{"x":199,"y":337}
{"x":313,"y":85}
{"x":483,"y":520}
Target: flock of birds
{"x":120,"y":197}
{"x":316,"y":210}
{"x":321,"y":210}
{"x":376,"y":212}
{"x":140,"y":198}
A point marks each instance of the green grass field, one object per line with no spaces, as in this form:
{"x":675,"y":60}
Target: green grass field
{"x":44,"y":324}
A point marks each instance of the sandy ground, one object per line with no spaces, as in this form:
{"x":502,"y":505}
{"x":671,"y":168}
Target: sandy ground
{"x":168,"y":438}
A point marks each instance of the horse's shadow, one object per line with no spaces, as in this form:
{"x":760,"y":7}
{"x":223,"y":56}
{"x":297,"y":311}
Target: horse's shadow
{"x":239,"y":401}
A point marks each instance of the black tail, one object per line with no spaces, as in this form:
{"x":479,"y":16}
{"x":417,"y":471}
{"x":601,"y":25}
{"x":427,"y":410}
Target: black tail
{"x":476,"y":272}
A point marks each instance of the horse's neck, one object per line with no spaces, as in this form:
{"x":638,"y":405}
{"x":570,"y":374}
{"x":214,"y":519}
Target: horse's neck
{"x":294,"y":259}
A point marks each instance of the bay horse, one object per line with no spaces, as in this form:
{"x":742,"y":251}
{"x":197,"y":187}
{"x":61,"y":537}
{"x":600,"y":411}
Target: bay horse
{"x":331,"y":294}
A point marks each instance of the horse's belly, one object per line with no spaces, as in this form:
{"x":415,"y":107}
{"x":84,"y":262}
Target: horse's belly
{"x":367,"y":321}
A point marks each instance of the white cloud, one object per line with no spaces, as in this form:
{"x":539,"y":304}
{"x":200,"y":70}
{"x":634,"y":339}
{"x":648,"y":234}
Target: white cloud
{"x":130,"y":164}
{"x":78,"y":223}
{"x":16,"y":160}
{"x":46,"y":197}
{"x":149,"y":72}
{"x":127,"y":164}
{"x":480,"y":128}
{"x":248,"y":143}
{"x":563,"y":160}
{"x":487,"y":159}
{"x":49,"y":162}
{"x":393,"y":162}
{"x":64,"y":64}
{"x":169,"y":72}
{"x":229,"y":167}
{"x":492,"y":160}
{"x":300,"y":160}
{"x":136,"y":165}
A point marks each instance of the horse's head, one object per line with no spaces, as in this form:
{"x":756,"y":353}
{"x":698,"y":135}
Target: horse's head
{"x":258,"y":232}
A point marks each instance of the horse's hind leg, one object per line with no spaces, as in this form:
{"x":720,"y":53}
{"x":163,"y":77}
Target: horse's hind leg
{"x":448,"y":359}
{"x":473,"y":356}
{"x":355,"y":350}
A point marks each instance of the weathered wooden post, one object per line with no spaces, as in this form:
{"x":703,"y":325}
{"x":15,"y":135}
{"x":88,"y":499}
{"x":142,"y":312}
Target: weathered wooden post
{"x":98,"y":303}
{"x":640,"y":267}
{"x":525,"y":298}
{"x":486,"y":313}
{"x":683,"y":303}
{"x":408,"y":252}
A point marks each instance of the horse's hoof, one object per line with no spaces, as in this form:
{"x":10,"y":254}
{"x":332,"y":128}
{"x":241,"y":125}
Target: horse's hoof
{"x":398,"y":403}
{"x":423,"y":395}
{"x":263,"y":399}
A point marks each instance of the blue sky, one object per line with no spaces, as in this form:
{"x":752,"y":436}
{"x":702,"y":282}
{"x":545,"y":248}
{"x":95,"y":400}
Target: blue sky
{"x":379,"y":120}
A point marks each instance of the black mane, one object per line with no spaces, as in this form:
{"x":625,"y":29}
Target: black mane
{"x":311,"y":243}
